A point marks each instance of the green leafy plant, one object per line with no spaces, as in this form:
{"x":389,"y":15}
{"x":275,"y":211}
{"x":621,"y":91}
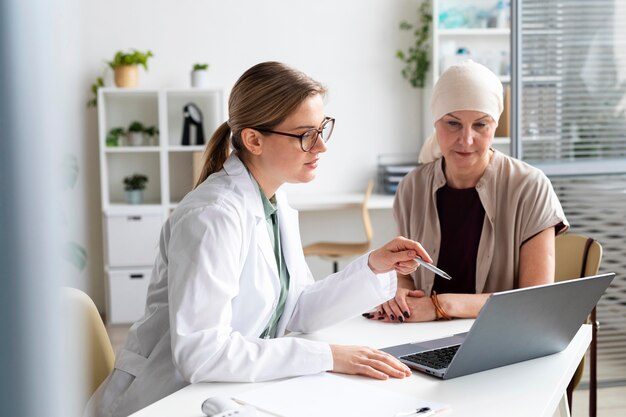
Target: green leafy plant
{"x":135,"y":182}
{"x":133,"y":57}
{"x":416,"y":58}
{"x":151,"y":131}
{"x":200,"y":67}
{"x":136,"y":127}
{"x":94,"y":90}
{"x":113,"y":137}
{"x":139,"y":127}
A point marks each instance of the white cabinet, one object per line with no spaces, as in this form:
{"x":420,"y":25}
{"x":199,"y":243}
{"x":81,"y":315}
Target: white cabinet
{"x":131,"y":231}
{"x":477,"y":30}
{"x":126,"y":294}
{"x":131,"y":238}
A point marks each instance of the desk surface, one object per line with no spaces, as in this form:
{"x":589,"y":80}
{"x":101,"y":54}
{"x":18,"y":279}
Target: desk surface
{"x":531,"y":388}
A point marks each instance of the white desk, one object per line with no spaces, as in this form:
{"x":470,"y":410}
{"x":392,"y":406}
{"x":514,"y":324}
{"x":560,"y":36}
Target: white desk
{"x":532,"y":388}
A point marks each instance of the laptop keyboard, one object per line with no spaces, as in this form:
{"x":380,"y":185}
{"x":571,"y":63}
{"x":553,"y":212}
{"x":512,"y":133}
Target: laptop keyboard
{"x":436,"y":359}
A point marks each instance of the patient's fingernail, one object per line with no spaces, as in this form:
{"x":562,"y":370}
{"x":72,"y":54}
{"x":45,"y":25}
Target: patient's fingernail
{"x":392,"y":317}
{"x":367,"y":315}
{"x":401,"y":319}
{"x":381,"y":318}
{"x":406,"y":314}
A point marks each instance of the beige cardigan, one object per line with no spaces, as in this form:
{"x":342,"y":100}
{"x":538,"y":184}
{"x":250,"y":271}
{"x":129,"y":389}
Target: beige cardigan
{"x":519,"y":202}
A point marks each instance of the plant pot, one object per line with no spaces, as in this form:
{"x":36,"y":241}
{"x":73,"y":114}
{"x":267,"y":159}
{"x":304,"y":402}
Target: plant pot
{"x":126,"y":76}
{"x":134,"y":196}
{"x":135,"y":138}
{"x":199,"y":78}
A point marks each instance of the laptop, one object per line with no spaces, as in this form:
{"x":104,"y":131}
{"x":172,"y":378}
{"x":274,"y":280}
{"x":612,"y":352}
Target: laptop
{"x":513,"y":326}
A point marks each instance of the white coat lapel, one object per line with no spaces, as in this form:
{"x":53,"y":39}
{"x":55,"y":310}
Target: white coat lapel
{"x":234,"y":167}
{"x":290,"y":237}
{"x":264,"y":243}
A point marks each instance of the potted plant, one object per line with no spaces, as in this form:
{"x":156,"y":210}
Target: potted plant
{"x":200,"y":75}
{"x":113,"y":137}
{"x":135,"y":133}
{"x":152,"y":132}
{"x":124,"y":65}
{"x":134,"y":186}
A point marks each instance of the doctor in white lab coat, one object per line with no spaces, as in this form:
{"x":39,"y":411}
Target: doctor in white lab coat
{"x":230,"y":276}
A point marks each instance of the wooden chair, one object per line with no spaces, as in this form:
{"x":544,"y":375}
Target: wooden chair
{"x":578,"y":256}
{"x":334,"y":251}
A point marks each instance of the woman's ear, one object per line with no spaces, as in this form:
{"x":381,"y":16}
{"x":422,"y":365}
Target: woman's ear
{"x":252,"y":140}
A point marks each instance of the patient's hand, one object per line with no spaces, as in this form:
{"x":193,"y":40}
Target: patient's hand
{"x":407,"y":306}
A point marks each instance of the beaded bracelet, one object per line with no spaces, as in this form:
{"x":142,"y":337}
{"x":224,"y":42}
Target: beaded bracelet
{"x":440,"y":313}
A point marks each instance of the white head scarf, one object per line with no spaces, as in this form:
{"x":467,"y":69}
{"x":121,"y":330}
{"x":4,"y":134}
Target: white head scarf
{"x":464,"y":86}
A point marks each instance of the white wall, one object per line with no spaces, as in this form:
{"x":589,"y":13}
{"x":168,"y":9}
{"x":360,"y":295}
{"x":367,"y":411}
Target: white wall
{"x":348,"y":45}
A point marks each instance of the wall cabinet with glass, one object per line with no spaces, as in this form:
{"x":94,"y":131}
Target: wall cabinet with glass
{"x":477,"y":30}
{"x":159,"y":119}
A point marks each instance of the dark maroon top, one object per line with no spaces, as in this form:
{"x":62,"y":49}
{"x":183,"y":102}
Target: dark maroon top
{"x":461,"y":217}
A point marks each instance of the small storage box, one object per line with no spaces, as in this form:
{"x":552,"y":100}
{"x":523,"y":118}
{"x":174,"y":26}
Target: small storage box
{"x":391,"y":169}
{"x":131,"y":240}
{"x":126,"y":294}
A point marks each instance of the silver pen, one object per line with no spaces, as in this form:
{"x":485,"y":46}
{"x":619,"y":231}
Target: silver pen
{"x":432,"y":268}
{"x":421,"y":412}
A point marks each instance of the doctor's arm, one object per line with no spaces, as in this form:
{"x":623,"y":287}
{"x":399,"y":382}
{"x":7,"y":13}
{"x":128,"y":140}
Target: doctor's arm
{"x":203,"y":273}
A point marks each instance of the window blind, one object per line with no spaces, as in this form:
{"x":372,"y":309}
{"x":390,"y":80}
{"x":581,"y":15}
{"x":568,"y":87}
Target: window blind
{"x":573,"y":80}
{"x":569,"y":119}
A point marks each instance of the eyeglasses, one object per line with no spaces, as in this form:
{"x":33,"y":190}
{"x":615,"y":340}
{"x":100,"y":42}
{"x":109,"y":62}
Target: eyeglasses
{"x":309,"y":138}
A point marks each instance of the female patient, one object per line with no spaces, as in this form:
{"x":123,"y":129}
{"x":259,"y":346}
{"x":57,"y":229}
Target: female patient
{"x":230,"y":277}
{"x":488,"y":220}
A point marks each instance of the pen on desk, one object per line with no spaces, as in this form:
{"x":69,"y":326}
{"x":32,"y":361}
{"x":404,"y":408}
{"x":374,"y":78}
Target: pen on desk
{"x":421,"y":412}
{"x":432,"y":268}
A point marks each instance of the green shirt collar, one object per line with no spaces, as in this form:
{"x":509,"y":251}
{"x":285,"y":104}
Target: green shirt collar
{"x":269,"y":204}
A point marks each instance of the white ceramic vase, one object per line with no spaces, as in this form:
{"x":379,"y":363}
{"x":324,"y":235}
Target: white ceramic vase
{"x":199,"y":78}
{"x":135,"y":138}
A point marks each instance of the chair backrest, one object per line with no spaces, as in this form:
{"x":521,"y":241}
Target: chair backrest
{"x":569,"y":257}
{"x":367,"y":222}
{"x":88,"y":347}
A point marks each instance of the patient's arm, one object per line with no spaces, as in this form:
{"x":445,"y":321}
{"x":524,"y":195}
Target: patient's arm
{"x":536,"y":268}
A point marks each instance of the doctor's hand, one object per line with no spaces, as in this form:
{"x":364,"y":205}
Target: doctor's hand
{"x":360,"y":360}
{"x":399,"y":254}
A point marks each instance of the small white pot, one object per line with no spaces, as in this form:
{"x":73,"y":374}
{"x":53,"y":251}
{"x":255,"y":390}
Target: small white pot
{"x":199,"y":78}
{"x":135,"y":138}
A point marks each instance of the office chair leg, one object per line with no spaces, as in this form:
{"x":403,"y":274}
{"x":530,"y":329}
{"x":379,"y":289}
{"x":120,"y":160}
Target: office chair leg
{"x":335,"y":266}
{"x":593,"y":370}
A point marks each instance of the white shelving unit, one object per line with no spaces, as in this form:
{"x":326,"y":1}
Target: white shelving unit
{"x":131,"y":232}
{"x":479,"y":28}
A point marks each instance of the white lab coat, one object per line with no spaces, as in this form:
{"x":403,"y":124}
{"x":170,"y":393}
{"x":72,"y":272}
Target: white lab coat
{"x":213,"y":289}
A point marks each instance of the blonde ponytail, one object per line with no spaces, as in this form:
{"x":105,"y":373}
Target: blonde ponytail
{"x":216,"y":152}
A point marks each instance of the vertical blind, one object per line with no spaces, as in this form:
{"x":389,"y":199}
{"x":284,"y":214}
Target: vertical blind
{"x":573,"y":80}
{"x":571,"y":122}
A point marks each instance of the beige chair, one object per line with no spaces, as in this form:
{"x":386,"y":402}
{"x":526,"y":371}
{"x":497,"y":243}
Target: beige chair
{"x":578,"y":256}
{"x":89,"y":354}
{"x":334,"y":251}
